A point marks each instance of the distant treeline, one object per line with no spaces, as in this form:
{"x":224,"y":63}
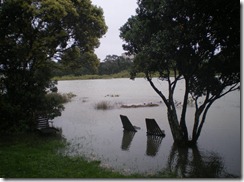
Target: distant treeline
{"x":112,"y":64}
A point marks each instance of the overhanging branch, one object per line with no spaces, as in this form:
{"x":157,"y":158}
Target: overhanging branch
{"x":156,"y":90}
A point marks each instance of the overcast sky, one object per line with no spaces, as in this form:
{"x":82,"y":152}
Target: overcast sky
{"x":116,"y":13}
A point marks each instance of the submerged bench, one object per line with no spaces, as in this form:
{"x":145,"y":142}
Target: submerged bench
{"x":153,"y":128}
{"x":127,"y":124}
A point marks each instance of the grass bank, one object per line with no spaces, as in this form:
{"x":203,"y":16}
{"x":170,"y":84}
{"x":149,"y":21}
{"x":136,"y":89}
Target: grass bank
{"x":123,"y":74}
{"x":34,"y":156}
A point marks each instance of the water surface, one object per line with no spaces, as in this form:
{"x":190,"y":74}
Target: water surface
{"x":98,"y":134}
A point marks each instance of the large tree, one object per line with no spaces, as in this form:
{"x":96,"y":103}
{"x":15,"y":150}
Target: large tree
{"x":33,"y":33}
{"x":72,"y":62}
{"x":197,"y":41}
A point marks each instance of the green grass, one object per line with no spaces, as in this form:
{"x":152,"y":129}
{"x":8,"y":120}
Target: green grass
{"x":33,"y":156}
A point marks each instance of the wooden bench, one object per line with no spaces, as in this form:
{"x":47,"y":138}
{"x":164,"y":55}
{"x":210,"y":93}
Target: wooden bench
{"x":153,"y":128}
{"x":44,"y":127}
{"x":42,"y":122}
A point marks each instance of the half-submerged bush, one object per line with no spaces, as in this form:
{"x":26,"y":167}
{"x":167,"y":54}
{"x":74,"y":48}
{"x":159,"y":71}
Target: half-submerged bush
{"x":61,"y":98}
{"x":103,"y":105}
{"x":54,"y":103}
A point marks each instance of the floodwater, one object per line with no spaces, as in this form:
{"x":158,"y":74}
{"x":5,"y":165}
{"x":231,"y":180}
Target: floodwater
{"x":98,"y":134}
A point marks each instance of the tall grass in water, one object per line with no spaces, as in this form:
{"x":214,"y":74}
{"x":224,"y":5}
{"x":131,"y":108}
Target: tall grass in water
{"x":103,"y":105}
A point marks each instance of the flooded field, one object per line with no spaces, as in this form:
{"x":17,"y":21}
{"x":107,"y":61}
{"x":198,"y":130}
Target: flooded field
{"x":98,"y":134}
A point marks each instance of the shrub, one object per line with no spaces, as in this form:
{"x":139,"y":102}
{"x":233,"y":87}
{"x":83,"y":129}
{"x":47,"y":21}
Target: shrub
{"x":54,"y":103}
{"x":103,"y":105}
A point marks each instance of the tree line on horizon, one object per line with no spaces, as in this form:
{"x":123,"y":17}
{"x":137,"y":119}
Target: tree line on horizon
{"x":75,"y":66}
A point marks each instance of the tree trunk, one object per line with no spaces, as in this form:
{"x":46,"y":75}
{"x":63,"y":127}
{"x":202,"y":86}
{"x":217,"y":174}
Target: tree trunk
{"x":196,"y":123}
{"x":183,"y":113}
{"x":179,"y":132}
{"x":175,"y":127}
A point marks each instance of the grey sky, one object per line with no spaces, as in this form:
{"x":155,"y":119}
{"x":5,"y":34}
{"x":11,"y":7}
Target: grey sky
{"x":116,"y":13}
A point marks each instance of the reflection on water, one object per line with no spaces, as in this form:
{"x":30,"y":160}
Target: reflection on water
{"x":153,"y":144}
{"x":99,"y":135}
{"x":127,"y":139}
{"x":190,"y":162}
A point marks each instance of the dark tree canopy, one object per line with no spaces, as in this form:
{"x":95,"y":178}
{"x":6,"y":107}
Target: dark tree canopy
{"x":198,"y":41}
{"x":32,"y":34}
{"x":73,"y":62}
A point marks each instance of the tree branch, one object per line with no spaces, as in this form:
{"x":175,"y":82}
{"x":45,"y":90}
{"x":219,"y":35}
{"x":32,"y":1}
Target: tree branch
{"x":183,"y":112}
{"x":203,"y":119}
{"x":173,"y":84}
{"x":156,"y":90}
{"x":230,"y":90}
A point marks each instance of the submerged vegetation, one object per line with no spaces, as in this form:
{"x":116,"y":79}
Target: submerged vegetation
{"x":103,"y":105}
{"x":67,"y":96}
{"x":61,"y":98}
{"x":106,"y":105}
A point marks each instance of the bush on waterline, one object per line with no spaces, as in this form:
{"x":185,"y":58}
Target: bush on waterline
{"x":103,"y":105}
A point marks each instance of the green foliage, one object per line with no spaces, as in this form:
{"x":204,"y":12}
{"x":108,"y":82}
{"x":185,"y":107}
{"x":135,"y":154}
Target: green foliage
{"x":32,"y":34}
{"x":17,"y":119}
{"x":53,"y":105}
{"x":73,"y":62}
{"x":194,"y":41}
{"x":186,"y":36}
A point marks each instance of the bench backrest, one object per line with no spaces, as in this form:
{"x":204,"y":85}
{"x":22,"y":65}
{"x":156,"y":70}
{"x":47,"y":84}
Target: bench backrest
{"x":153,"y":128}
{"x":42,"y":122}
{"x":127,"y":124}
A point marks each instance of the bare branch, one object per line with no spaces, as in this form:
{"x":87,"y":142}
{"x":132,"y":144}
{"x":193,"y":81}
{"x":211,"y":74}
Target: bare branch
{"x":233,"y":88}
{"x":156,"y":90}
